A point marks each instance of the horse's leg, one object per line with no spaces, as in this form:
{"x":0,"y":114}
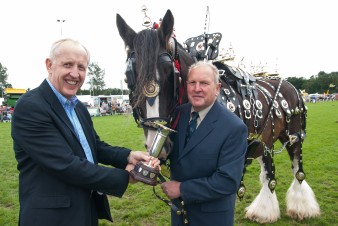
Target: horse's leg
{"x":265,"y":207}
{"x":300,"y":199}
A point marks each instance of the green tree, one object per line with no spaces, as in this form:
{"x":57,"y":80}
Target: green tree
{"x":115,"y":91}
{"x":321,"y":83}
{"x":108,"y":91}
{"x":3,"y":79}
{"x":334,"y":82}
{"x":296,"y":82}
{"x":96,"y":81}
{"x":83,"y":92}
{"x":311,"y":85}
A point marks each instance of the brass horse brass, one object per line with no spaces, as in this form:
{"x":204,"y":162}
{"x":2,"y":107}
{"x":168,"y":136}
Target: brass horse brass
{"x":151,"y":89}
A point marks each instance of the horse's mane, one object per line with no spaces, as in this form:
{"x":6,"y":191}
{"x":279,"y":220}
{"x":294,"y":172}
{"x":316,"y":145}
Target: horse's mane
{"x":146,"y":44}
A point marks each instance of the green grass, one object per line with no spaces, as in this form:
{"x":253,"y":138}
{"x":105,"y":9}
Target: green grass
{"x":139,"y":206}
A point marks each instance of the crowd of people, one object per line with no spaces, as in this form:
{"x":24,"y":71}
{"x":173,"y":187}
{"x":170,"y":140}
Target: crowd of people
{"x":314,"y":98}
{"x":121,"y":108}
{"x":6,"y":114}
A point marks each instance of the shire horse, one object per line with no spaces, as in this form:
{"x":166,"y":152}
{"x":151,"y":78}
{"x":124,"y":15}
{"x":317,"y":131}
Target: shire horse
{"x":157,"y":67}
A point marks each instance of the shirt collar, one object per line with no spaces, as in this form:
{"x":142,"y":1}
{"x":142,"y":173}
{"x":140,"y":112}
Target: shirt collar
{"x":203,"y":112}
{"x":63,"y":100}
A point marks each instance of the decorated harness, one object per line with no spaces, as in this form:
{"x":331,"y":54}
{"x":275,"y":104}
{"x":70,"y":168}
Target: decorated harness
{"x":151,"y":89}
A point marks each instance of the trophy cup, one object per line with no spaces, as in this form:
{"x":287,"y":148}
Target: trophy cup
{"x":145,"y":172}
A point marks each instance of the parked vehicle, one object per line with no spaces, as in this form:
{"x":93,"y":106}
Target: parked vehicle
{"x":11,"y":96}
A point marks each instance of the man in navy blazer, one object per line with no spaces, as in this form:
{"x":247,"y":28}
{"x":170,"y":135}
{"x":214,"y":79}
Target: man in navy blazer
{"x":206,"y":171}
{"x":58,"y":150}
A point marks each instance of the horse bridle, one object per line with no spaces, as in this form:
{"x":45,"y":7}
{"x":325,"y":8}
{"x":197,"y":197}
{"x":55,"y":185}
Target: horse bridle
{"x":151,"y":123}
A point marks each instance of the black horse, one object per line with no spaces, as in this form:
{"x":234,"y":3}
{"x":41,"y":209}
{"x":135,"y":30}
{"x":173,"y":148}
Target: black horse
{"x":273,"y":109}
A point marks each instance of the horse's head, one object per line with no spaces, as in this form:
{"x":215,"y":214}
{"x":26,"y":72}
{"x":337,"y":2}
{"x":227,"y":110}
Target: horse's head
{"x":152,"y":77}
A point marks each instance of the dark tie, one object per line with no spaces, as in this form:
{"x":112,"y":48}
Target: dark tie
{"x":192,"y":125}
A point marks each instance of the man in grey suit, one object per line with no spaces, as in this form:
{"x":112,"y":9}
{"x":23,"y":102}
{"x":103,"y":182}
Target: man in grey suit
{"x":206,"y":169}
{"x":58,"y":149}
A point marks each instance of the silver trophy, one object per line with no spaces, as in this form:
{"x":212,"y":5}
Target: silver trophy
{"x":145,"y":172}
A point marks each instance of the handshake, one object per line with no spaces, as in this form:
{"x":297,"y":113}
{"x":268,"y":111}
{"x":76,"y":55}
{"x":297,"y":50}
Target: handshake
{"x":142,"y":163}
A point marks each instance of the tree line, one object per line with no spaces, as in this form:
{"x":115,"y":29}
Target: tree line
{"x":320,"y":83}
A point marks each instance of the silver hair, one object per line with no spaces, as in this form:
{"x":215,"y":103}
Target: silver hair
{"x":206,"y":64}
{"x":55,"y":47}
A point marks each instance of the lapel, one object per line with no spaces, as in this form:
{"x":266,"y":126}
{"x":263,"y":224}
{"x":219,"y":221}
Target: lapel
{"x":206,"y":126}
{"x":55,"y":104}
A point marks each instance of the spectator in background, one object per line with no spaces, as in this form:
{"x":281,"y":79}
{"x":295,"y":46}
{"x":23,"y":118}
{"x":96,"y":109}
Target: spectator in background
{"x":113,"y":108}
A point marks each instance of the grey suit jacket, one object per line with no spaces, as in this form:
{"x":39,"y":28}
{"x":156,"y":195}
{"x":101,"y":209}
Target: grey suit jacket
{"x":57,"y":185}
{"x":210,"y":166}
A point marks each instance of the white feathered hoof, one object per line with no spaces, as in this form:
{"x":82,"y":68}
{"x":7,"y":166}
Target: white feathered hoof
{"x":301,"y":202}
{"x":265,"y":207}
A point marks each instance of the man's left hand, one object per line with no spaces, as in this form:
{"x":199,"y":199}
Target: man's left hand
{"x":171,"y":189}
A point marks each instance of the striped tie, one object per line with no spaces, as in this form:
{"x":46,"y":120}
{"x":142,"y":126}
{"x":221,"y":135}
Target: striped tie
{"x":192,"y":125}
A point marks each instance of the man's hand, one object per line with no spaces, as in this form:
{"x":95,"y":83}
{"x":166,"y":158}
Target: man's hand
{"x":137,"y":156}
{"x":130,"y":167}
{"x":171,"y":189}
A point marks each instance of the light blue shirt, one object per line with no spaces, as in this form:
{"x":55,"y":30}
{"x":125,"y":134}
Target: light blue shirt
{"x":69,"y":106}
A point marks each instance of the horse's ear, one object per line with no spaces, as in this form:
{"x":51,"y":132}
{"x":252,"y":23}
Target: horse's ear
{"x":167,"y":25}
{"x":126,"y":32}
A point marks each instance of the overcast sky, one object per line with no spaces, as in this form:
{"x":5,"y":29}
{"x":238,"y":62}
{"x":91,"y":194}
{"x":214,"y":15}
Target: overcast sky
{"x":299,"y":36}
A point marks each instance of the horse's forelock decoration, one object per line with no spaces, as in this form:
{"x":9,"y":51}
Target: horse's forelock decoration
{"x":146,"y":70}
{"x":272,"y":109}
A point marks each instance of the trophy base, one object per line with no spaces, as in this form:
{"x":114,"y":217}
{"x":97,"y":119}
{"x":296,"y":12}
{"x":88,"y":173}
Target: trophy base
{"x":145,"y":174}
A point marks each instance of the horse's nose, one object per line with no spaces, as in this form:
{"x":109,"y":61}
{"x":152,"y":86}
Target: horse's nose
{"x":146,"y":146}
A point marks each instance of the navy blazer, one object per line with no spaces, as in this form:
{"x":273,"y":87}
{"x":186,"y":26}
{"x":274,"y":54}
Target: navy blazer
{"x":57,"y":185}
{"x":210,"y":166}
